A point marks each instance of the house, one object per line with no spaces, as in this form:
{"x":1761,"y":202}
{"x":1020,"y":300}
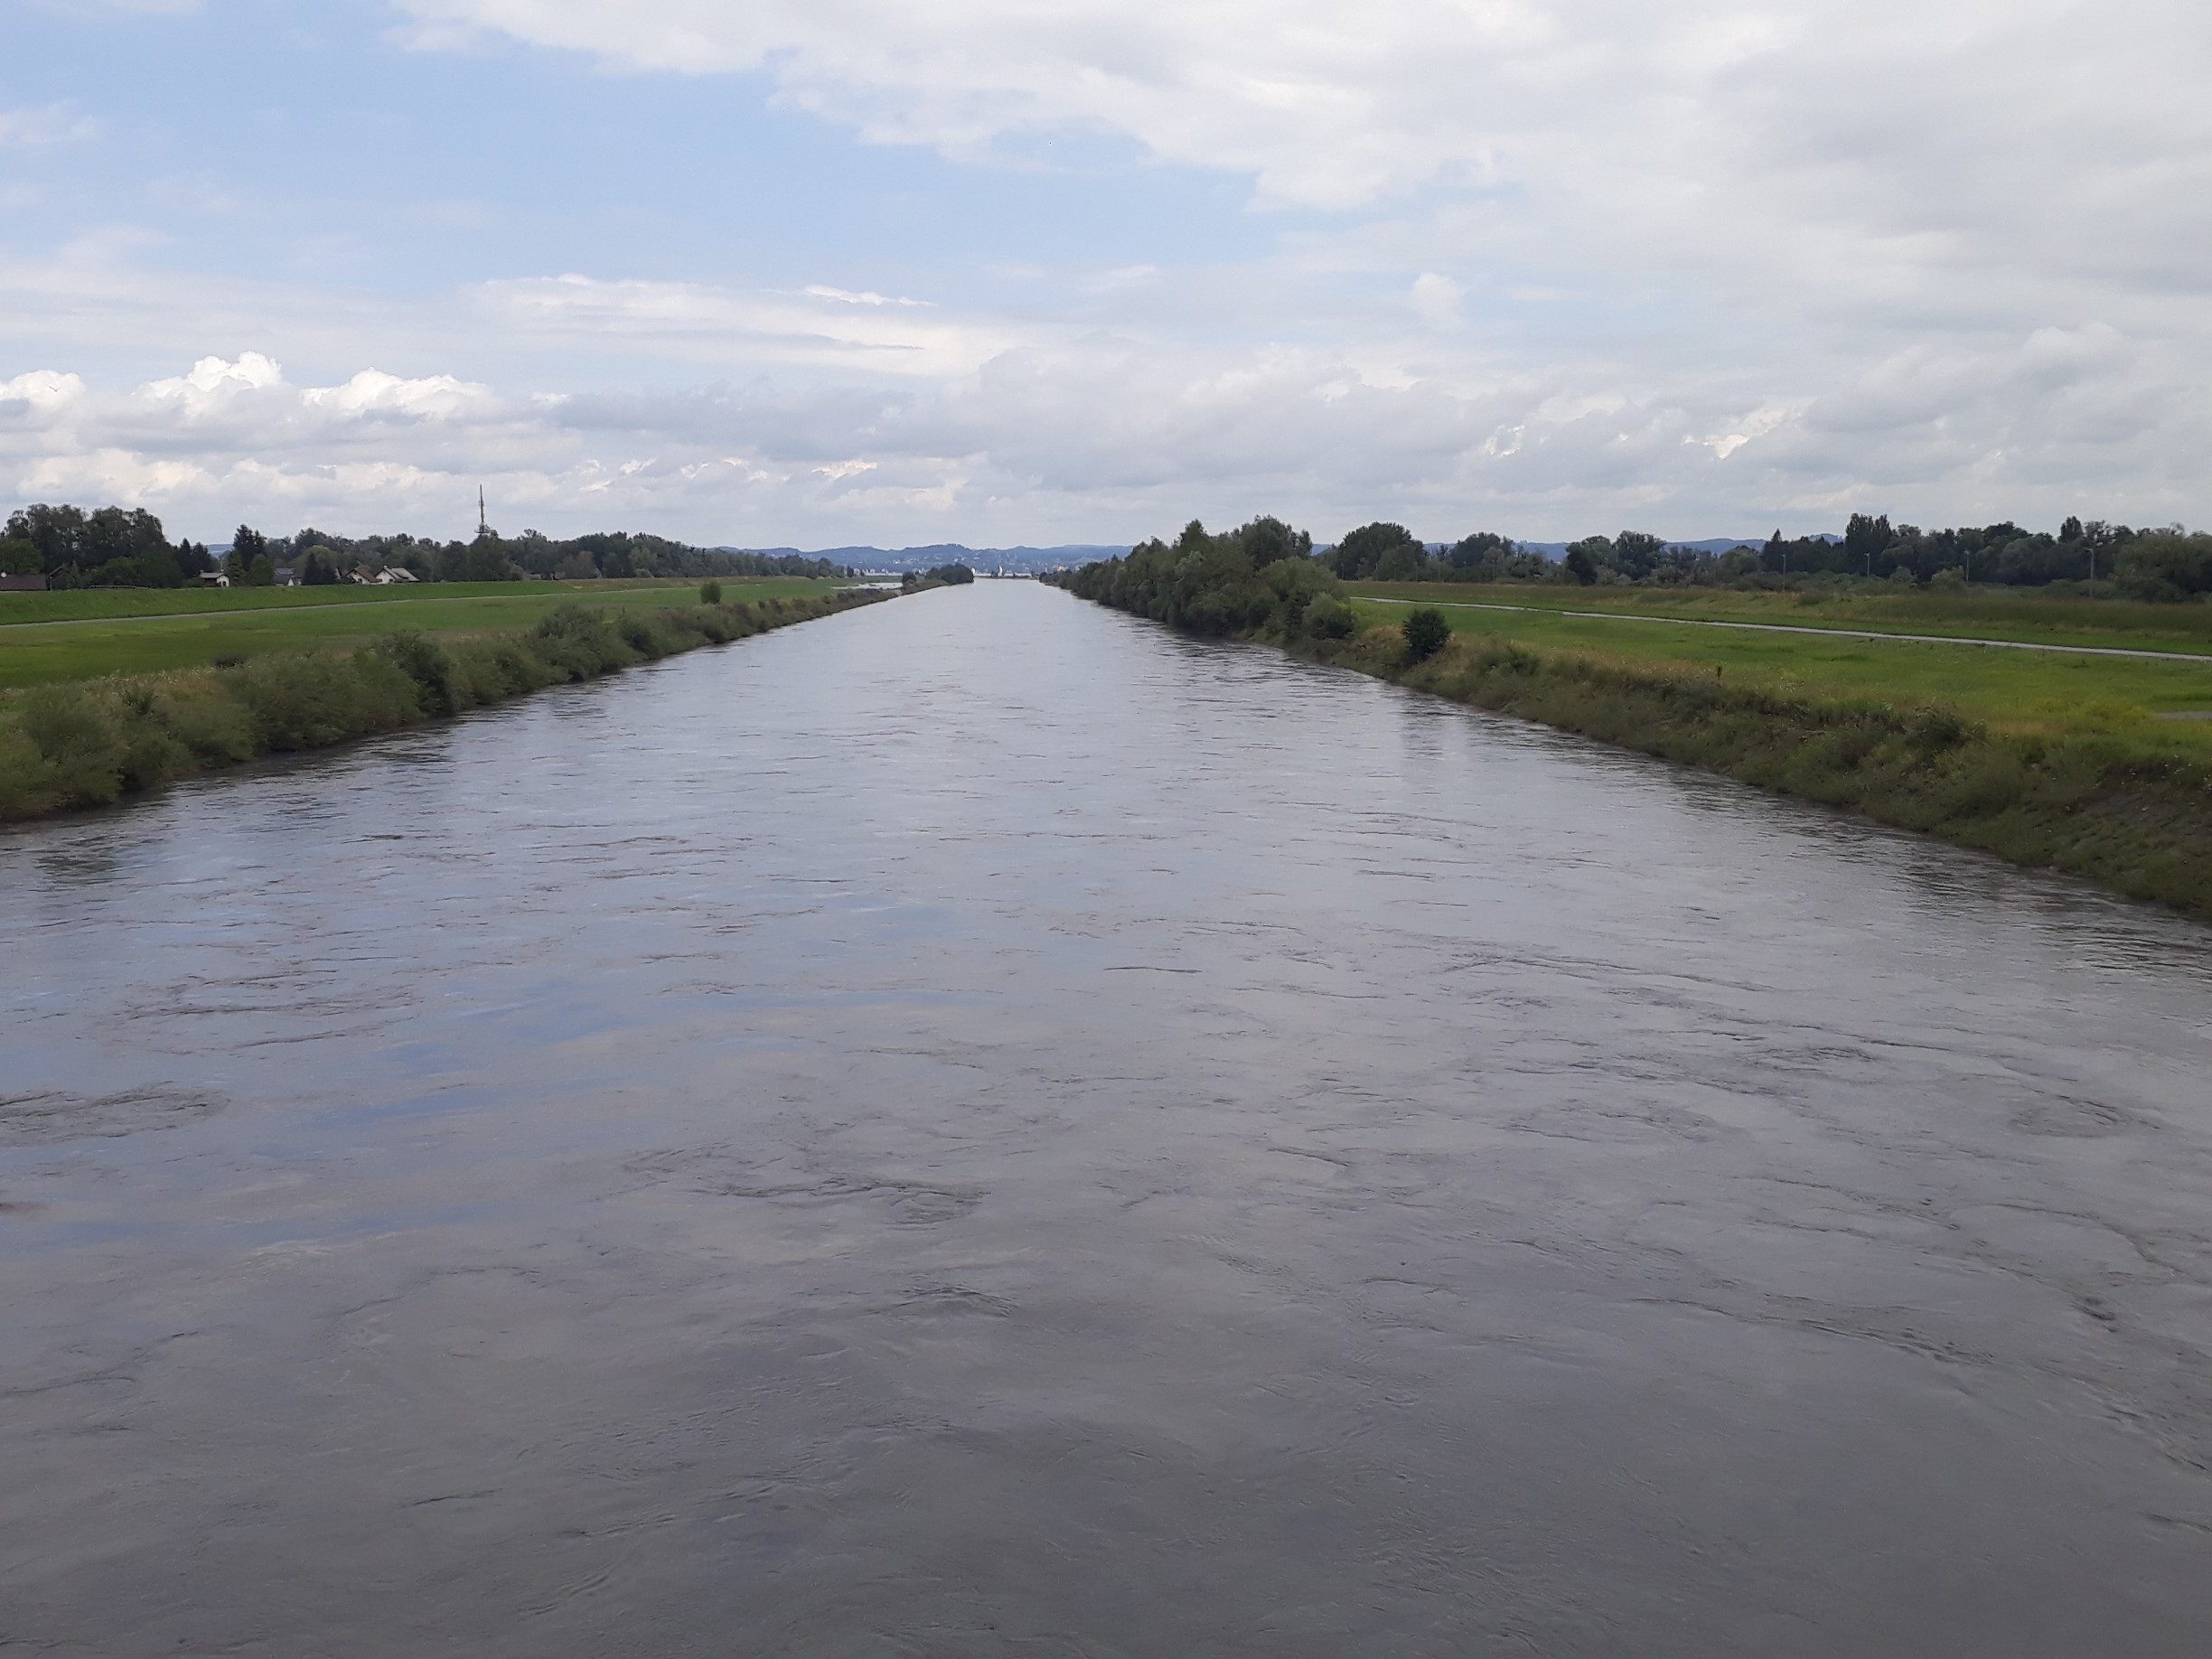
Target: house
{"x":23,"y":583}
{"x":288,"y":575}
{"x":396,"y":573}
{"x":214,"y":579}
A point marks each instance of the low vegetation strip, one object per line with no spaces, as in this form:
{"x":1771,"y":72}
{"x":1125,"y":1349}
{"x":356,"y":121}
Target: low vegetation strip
{"x":88,"y":742}
{"x":2103,"y":792}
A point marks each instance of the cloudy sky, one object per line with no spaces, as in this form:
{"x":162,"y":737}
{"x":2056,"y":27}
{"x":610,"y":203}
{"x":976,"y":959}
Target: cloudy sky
{"x":824,"y":271}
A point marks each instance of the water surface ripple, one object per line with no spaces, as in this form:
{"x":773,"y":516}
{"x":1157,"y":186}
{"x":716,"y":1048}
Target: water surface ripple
{"x":979,"y":1126}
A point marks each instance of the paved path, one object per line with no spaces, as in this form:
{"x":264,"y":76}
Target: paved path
{"x":1847,"y":634}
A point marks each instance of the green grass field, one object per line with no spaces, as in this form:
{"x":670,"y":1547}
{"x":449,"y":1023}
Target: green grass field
{"x":1993,"y":613}
{"x":2014,"y":691}
{"x":81,"y":634}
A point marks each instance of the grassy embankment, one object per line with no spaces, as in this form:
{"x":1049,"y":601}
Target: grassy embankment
{"x":1978,"y":612}
{"x":2048,"y":759}
{"x":76,"y":636}
{"x":87,"y":742}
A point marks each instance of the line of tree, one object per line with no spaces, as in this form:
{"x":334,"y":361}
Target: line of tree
{"x":936,"y":576}
{"x":1260,"y":578}
{"x":120,"y":547}
{"x":1264,"y":579}
{"x":116,"y":547}
{"x":2089,"y":557}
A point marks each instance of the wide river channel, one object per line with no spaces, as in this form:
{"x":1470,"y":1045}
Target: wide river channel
{"x":980,"y":1126}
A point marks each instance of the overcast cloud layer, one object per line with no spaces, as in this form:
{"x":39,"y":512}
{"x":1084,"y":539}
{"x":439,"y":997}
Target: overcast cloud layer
{"x":1002,"y":270}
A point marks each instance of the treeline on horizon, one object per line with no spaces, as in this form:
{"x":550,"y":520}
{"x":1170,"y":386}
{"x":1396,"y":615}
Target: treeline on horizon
{"x":117,"y":547}
{"x":1266,"y":577}
{"x":2086,"y":559}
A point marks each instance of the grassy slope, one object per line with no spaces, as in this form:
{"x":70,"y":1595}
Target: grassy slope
{"x":2015,"y":692}
{"x":88,"y":742}
{"x":86,"y":634}
{"x":2121,"y":804}
{"x":1993,"y":613}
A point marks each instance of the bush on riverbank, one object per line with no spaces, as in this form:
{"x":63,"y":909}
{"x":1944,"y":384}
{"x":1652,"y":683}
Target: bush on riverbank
{"x":1425,"y":633}
{"x":88,"y":742}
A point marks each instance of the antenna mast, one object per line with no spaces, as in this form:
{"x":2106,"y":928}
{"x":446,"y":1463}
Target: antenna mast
{"x":483,"y":520}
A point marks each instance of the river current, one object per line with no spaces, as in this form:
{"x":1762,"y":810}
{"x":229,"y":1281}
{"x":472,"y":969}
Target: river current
{"x":980,"y":1126}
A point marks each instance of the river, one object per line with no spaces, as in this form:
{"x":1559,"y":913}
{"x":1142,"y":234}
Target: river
{"x":980,"y":1126}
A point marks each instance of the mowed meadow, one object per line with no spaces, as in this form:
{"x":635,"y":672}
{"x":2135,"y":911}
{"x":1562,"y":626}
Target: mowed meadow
{"x":52,"y":637}
{"x":2028,"y":616}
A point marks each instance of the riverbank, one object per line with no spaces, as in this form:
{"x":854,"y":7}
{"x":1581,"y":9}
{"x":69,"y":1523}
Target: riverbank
{"x":2073,"y":763}
{"x":90,"y":742}
{"x":2093,"y":803}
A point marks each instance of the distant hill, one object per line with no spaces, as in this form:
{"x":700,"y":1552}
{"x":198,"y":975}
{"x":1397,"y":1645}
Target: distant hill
{"x":1028,"y":560}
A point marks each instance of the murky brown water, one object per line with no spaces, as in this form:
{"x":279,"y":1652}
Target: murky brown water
{"x":980,"y":1127}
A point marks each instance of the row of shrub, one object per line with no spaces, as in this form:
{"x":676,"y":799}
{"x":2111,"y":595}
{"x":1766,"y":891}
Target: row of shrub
{"x":88,"y":743}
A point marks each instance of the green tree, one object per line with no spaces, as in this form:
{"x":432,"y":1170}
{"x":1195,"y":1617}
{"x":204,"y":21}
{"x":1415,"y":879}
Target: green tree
{"x":1637,"y":554}
{"x":1480,"y":556}
{"x":1362,"y":550}
{"x":261,"y":572}
{"x":57,"y":532}
{"x":710,"y":593}
{"x":20,"y":557}
{"x":1268,"y":542}
{"x":1426,"y":632}
{"x":2168,"y":563}
{"x":1326,"y":617}
{"x":1580,"y":565}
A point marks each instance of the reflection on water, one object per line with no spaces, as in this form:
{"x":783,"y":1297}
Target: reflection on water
{"x":980,"y":1126}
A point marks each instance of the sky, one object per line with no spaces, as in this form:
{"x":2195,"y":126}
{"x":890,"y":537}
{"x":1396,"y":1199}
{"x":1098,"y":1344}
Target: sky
{"x":824,"y":272}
